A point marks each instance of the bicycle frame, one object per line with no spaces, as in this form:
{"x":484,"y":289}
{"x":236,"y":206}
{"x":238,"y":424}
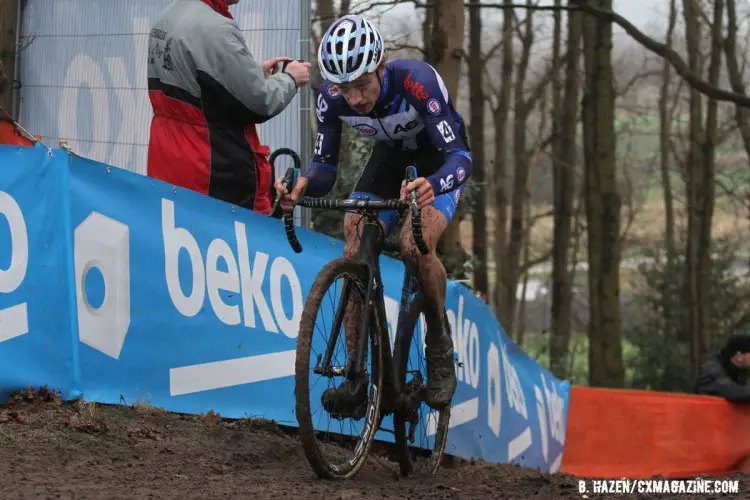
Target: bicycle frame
{"x":368,"y":257}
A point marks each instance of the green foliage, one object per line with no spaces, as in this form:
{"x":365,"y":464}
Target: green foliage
{"x":663,"y":360}
{"x":536,"y":345}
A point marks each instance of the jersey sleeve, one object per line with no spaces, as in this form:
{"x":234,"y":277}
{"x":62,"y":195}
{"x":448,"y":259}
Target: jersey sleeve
{"x":322,"y":172}
{"x":426,"y":91}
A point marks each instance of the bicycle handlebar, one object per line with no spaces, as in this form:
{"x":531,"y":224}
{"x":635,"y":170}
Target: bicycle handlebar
{"x":290,"y":179}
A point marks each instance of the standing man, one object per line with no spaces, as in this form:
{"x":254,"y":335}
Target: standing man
{"x":208,"y":93}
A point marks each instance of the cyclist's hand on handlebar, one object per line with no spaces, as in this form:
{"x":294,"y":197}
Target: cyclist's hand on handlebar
{"x":425,"y":194}
{"x":289,"y":199}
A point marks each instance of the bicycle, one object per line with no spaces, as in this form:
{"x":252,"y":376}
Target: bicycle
{"x":394,"y":389}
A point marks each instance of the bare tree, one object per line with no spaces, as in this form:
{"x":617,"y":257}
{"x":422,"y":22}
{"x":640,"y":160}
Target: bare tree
{"x":501,"y":113}
{"x":564,"y":162}
{"x":602,"y":205}
{"x":700,"y":182}
{"x":665,"y":130}
{"x":735,"y":73}
{"x":444,"y":49}
{"x":476,"y":87}
{"x":522,"y":107}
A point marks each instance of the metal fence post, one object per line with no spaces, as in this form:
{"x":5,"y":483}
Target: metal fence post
{"x":306,"y":100}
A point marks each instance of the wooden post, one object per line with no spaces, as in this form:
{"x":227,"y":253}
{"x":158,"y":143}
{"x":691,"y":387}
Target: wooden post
{"x":8,"y":39}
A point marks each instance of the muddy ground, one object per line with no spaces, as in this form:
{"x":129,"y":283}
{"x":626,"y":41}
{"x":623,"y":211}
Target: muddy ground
{"x":50,"y":449}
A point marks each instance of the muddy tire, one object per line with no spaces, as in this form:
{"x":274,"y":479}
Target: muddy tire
{"x":325,"y":465}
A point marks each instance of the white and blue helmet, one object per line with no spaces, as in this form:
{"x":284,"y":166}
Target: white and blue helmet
{"x":350,"y":48}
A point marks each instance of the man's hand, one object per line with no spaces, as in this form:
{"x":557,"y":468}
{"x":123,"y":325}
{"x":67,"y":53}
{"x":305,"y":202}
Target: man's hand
{"x":289,"y":199}
{"x":270,"y":66}
{"x":425,"y":195}
{"x":299,"y":71}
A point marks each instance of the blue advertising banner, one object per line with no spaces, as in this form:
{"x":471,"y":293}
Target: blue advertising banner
{"x":132,"y":290}
{"x":203,"y":301}
{"x":209,"y":298}
{"x":36,"y":314}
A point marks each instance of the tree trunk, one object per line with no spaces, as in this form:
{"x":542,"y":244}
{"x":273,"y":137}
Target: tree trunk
{"x":602,"y":205}
{"x":520,"y":328}
{"x":444,"y":50}
{"x":693,"y":180}
{"x":563,"y":165}
{"x":429,"y":16}
{"x":8,"y":22}
{"x":735,"y":74}
{"x":519,"y":197}
{"x":500,"y":177}
{"x":664,"y":139}
{"x":706,"y":196}
{"x":476,"y":85}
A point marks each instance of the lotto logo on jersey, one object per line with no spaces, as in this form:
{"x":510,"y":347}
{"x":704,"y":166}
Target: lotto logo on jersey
{"x":333,"y":91}
{"x":433,"y":106}
{"x":416,"y":88}
{"x":461,"y":174}
{"x":366,"y":130}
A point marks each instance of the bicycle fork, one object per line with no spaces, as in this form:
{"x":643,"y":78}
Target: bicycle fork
{"x":356,"y":366}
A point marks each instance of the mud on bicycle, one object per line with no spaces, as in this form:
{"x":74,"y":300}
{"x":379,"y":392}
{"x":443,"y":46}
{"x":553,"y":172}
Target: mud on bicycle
{"x":393,"y":374}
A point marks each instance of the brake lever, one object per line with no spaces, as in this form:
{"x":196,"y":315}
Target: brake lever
{"x":411,"y":175}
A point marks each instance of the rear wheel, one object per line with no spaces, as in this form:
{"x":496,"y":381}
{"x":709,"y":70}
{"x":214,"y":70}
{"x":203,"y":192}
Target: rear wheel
{"x":421,"y":432}
{"x":340,"y":452}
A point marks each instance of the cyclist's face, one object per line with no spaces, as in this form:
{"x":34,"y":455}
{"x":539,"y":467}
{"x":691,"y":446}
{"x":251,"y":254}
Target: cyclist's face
{"x":363,"y":93}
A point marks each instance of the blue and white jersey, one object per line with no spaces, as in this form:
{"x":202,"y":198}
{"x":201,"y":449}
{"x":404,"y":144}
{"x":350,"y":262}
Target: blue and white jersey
{"x":414,"y":113}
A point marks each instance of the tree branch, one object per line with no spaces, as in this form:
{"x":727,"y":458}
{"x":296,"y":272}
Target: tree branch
{"x":491,"y":52}
{"x":535,"y":262}
{"x":649,"y":43}
{"x":402,"y":46}
{"x":635,"y":79}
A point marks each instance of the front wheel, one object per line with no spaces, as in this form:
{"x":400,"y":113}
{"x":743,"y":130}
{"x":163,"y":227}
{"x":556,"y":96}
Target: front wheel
{"x":336,"y":453}
{"x":421,"y":432}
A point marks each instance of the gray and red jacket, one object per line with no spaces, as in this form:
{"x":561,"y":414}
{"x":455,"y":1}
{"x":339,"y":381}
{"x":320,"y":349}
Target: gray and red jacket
{"x":207,"y":93}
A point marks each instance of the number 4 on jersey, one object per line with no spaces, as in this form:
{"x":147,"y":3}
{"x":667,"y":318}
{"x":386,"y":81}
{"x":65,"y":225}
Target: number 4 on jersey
{"x":446,"y":131}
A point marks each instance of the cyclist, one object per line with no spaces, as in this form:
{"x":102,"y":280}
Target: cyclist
{"x":404,"y":105}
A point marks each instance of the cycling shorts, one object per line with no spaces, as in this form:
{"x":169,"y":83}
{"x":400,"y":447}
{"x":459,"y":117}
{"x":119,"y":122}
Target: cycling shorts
{"x":385,"y":170}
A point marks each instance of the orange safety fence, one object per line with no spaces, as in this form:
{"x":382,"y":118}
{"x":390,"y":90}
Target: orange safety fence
{"x":636,"y":434}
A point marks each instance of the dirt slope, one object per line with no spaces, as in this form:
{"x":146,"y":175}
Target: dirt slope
{"x":77,"y":450}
